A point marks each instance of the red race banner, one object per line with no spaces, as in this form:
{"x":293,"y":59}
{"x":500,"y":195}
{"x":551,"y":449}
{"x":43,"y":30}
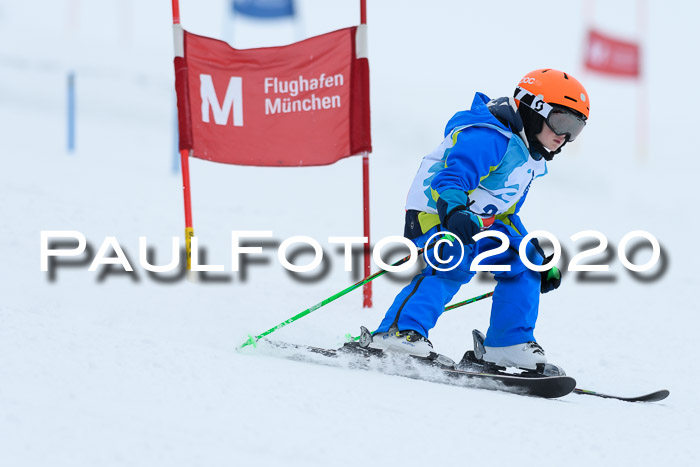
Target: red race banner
{"x":302,"y":104}
{"x":612,"y":56}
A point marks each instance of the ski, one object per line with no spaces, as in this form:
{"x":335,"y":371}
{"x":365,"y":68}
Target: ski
{"x":473,"y":358}
{"x":651,"y":397}
{"x":437,"y":368}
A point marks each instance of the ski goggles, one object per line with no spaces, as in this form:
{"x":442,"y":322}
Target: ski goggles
{"x":565,"y":122}
{"x":560,"y":120}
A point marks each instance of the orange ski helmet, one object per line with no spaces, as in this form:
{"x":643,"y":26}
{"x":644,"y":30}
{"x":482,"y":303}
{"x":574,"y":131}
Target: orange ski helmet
{"x":556,"y":87}
{"x":553,"y":94}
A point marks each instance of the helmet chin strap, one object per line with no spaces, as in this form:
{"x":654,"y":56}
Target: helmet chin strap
{"x":533,"y":123}
{"x":538,"y":150}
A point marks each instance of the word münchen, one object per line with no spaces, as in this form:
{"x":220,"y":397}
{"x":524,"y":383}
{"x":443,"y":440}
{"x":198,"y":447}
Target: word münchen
{"x":294,"y":87}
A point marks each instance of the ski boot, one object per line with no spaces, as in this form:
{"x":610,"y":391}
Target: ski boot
{"x":408,"y":342}
{"x":528,"y":356}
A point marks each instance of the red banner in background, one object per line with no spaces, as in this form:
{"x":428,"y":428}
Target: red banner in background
{"x":302,"y":104}
{"x":612,"y":56}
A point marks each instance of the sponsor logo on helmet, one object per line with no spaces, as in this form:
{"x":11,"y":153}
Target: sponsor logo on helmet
{"x":527,"y":80}
{"x":538,"y":103}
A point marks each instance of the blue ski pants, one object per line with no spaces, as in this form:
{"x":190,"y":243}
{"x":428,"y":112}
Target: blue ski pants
{"x":515,"y":300}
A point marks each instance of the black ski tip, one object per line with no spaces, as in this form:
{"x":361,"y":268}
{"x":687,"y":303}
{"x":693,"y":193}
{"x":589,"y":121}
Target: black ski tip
{"x":558,"y":386}
{"x":548,"y":387}
{"x":651,"y":397}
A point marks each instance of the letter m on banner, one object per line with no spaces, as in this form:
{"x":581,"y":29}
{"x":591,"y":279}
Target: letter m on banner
{"x":313,"y":96}
{"x":232,"y":99}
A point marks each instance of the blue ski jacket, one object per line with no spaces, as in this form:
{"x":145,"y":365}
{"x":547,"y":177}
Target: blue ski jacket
{"x":483,"y":164}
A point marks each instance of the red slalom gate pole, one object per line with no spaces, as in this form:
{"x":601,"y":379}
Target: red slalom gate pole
{"x":189,"y":230}
{"x":176,"y":12}
{"x":367,"y":287}
{"x":185,"y":163}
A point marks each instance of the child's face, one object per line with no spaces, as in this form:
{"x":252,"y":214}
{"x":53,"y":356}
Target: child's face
{"x":549,"y":139}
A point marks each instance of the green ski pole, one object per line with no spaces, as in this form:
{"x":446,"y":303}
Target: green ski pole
{"x":349,"y":337}
{"x":253,"y":339}
{"x":467,"y":302}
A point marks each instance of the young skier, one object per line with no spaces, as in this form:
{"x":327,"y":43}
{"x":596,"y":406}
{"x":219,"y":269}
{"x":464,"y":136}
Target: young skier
{"x":478,"y":179}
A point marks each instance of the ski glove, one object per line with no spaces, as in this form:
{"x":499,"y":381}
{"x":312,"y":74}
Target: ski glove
{"x":457,"y":219}
{"x":551,"y":278}
{"x":465,"y":224}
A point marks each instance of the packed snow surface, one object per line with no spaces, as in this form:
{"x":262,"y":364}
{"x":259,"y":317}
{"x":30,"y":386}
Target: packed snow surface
{"x":112,"y":368}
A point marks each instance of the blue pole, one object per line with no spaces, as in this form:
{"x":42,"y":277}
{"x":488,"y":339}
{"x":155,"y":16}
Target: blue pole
{"x":71,"y":111}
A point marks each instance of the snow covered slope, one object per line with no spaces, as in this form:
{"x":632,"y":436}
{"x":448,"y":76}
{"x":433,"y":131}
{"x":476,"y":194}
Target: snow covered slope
{"x":105,"y":369}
